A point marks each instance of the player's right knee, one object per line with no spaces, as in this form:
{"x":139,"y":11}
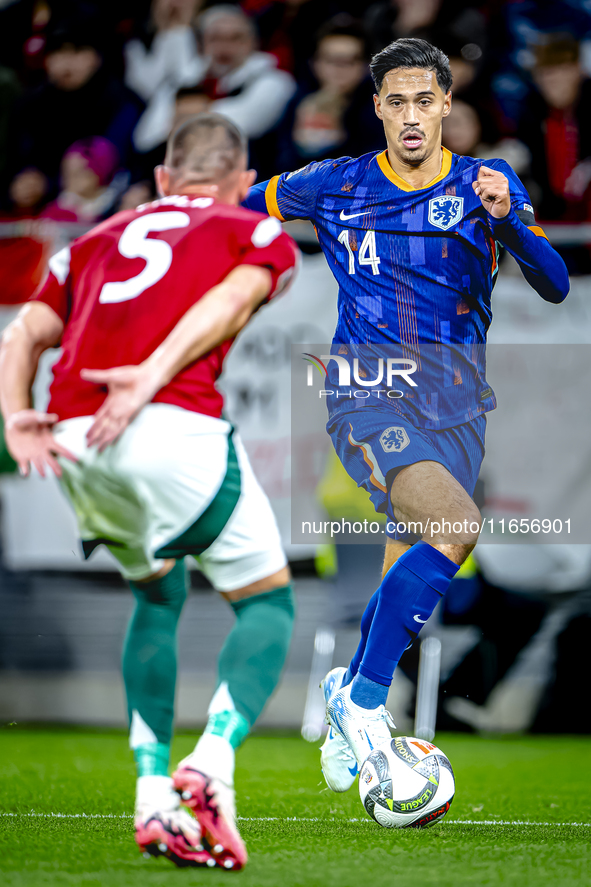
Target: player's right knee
{"x":460,"y":529}
{"x":466,"y":530}
{"x":473,"y":523}
{"x":269,"y":583}
{"x":169,"y":590}
{"x":166,"y":568}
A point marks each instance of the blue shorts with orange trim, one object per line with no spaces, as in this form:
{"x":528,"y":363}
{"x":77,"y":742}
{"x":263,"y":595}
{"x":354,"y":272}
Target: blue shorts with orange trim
{"x":373,"y":445}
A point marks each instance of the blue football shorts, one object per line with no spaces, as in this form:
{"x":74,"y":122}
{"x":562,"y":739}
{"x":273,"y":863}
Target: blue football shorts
{"x":374,"y":444}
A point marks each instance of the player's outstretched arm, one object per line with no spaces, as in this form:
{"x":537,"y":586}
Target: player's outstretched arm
{"x":292,"y":195}
{"x":27,"y":431}
{"x":541,"y":265}
{"x":218,"y":316}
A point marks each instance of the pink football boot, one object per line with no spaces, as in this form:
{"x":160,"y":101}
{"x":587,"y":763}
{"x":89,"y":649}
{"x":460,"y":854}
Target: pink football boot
{"x":174,"y":834}
{"x":212,"y":803}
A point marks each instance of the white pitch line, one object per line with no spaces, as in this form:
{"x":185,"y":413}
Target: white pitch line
{"x":512,"y":822}
{"x":306,"y":819}
{"x":74,"y":815}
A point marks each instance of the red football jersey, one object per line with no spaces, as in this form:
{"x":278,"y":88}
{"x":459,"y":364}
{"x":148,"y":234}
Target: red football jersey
{"x":122,"y":288}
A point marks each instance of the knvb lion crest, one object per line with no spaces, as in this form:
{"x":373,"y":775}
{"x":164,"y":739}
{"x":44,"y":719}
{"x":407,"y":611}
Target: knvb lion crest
{"x":394,"y":439}
{"x":445,"y":211}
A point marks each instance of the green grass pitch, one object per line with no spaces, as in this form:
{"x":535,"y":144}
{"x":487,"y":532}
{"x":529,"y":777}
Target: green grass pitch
{"x":535,"y":790}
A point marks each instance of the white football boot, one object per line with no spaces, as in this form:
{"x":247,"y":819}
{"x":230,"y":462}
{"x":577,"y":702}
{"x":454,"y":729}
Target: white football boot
{"x":362,"y":728}
{"x":337,"y":761}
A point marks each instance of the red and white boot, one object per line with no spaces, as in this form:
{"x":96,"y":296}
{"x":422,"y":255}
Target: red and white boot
{"x":212,"y":802}
{"x":164,"y":828}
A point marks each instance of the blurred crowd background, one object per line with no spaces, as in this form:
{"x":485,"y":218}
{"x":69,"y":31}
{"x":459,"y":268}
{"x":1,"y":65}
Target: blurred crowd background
{"x":89,"y":92}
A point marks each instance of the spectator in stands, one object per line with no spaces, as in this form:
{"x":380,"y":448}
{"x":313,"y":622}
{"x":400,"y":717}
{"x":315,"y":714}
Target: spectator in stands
{"x":433,"y":20}
{"x":23,"y":250}
{"x":20,"y":23}
{"x":245,"y":85}
{"x":26,"y":195}
{"x":515,"y":30}
{"x":556,"y":127}
{"x":388,"y":20}
{"x":161,"y":60}
{"x":188,"y":101}
{"x":466,"y":61}
{"x":87,"y":171}
{"x":288,"y":28}
{"x":138,"y":193}
{"x":338,"y":117}
{"x":165,"y":49}
{"x":9,"y":92}
{"x":79,"y":99}
{"x":462,"y":134}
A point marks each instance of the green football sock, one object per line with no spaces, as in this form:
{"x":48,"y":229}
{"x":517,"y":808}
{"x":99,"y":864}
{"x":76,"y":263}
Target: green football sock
{"x":152,"y":758}
{"x":149,"y":668}
{"x":252,"y":659}
{"x":230,"y":725}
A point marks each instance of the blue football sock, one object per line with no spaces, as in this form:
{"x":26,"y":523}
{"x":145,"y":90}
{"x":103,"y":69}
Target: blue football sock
{"x":368,"y":694}
{"x":409,"y":593}
{"x":366,"y":621}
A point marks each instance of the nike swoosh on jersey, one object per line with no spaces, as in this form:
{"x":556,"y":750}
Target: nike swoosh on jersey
{"x":344,"y":218}
{"x":417,"y":618}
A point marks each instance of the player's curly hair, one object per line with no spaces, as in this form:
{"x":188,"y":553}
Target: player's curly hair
{"x":411,"y":52}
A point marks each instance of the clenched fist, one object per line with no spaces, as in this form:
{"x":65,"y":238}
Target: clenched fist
{"x":493,"y":189}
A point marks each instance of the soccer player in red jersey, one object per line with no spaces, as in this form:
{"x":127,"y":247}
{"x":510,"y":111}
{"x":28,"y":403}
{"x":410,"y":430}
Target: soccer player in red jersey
{"x":145,"y":307}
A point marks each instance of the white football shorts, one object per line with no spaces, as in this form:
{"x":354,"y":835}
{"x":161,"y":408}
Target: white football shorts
{"x":175,"y":483}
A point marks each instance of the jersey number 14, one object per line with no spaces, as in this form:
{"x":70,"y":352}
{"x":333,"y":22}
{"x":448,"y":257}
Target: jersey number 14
{"x":367,"y":251}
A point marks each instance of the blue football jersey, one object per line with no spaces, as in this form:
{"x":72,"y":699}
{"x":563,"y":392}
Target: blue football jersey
{"x":415,"y":267}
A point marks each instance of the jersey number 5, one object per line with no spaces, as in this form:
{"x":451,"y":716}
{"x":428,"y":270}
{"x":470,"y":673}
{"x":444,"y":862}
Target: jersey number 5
{"x":367,"y":251}
{"x":135,"y":244}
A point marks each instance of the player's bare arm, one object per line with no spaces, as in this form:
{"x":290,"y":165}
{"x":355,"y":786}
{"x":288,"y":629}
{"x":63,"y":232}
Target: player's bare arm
{"x":28,"y":431}
{"x":218,"y":316}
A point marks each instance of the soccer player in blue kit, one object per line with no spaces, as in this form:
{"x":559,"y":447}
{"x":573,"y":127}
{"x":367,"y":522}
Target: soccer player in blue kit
{"x":411,"y":236}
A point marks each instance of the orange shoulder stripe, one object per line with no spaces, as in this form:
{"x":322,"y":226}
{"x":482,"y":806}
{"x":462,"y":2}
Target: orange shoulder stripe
{"x":271,"y":199}
{"x":537,"y":231}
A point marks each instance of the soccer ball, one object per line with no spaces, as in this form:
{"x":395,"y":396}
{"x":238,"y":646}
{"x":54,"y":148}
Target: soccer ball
{"x":406,"y":782}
